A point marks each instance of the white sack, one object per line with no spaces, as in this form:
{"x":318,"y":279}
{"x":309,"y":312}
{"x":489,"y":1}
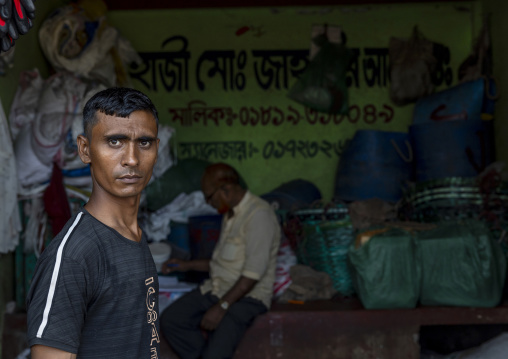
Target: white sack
{"x":30,"y":170}
{"x":157,"y":225}
{"x":496,"y":348}
{"x":164,"y":156}
{"x":59,"y":106}
{"x":25,"y":103}
{"x":95,"y":60}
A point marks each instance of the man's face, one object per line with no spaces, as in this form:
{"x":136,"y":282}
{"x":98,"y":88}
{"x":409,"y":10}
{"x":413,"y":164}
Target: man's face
{"x":214,"y":195}
{"x":121,"y":153}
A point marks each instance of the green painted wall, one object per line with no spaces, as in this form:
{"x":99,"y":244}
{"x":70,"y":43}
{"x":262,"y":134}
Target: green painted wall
{"x":240,"y":117}
{"x":498,"y":11}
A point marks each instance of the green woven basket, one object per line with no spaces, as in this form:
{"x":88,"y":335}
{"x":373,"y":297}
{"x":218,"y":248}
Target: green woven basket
{"x":326,"y":237}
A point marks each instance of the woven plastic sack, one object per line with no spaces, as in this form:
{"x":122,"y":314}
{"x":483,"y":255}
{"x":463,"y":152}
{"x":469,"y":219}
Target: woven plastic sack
{"x":286,"y":259}
{"x":70,"y":159}
{"x":322,"y":86}
{"x":385,"y":272}
{"x":59,"y":106}
{"x":76,"y":38}
{"x":25,"y":103}
{"x":461,"y":265}
{"x":31,"y":171}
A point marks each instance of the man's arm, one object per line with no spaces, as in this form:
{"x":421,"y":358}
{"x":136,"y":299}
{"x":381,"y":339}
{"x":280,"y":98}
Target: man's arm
{"x":214,"y":315}
{"x":44,"y":352}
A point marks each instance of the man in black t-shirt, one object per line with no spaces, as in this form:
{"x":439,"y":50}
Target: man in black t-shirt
{"x":94,"y":293}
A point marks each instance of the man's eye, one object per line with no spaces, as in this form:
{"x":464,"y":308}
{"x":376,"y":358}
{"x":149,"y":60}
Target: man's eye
{"x":113,"y":142}
{"x":145,"y":143}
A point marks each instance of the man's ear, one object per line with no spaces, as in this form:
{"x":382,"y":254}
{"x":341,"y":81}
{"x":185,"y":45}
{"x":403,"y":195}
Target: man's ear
{"x":83,"y":149}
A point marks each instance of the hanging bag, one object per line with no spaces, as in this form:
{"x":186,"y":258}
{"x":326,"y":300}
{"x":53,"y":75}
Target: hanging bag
{"x":322,"y":86}
{"x":411,"y":66}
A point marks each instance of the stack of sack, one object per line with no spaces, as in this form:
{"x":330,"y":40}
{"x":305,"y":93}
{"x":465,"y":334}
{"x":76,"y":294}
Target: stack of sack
{"x":45,"y":119}
{"x":448,"y":264}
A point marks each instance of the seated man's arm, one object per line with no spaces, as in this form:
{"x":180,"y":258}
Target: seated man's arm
{"x":44,"y":352}
{"x":214,"y":315}
{"x":242,"y":286}
{"x":179,"y":265}
{"x":260,"y":234}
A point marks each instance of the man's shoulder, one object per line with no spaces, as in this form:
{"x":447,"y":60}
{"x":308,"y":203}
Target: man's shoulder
{"x":76,"y":237}
{"x":80,"y":225}
{"x":257,"y":203}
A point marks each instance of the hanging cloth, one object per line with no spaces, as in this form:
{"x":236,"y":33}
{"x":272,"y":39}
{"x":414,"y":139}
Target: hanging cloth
{"x":10,"y":224}
{"x":56,"y":203}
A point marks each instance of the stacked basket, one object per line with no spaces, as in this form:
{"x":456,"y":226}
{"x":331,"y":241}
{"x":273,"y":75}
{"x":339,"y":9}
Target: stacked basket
{"x":458,"y":198}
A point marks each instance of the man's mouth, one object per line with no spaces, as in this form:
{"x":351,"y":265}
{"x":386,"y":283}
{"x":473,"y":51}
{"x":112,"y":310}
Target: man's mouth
{"x":130,"y":178}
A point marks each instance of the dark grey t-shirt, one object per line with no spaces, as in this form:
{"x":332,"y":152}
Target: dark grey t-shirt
{"x":95,"y":293}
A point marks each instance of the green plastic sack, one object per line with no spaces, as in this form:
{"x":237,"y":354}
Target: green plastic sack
{"x":184,"y":177}
{"x":461,"y":265}
{"x":385,"y":271}
{"x":322,"y":86}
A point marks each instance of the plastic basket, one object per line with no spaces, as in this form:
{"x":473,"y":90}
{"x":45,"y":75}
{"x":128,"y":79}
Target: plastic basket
{"x":326,"y":235}
{"x":460,"y":198}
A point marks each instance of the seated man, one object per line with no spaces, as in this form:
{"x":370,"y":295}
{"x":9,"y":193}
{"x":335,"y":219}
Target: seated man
{"x":242,"y":273}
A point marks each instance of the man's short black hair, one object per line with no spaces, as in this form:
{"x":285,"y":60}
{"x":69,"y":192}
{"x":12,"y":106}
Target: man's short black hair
{"x":116,"y":101}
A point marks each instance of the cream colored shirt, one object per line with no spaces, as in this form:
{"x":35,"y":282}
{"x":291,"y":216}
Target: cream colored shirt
{"x":247,"y":246}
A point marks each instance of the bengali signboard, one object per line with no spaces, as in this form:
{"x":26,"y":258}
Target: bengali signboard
{"x":220,"y":77}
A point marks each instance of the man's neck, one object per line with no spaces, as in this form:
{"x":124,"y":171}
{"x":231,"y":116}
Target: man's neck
{"x":120,"y":214}
{"x":238,"y":196}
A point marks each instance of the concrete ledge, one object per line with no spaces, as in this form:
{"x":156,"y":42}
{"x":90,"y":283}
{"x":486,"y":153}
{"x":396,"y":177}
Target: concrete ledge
{"x":345,"y":330}
{"x":321,"y":330}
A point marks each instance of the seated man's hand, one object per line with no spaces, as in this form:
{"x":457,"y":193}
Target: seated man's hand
{"x":174,"y":265}
{"x":212,"y":317}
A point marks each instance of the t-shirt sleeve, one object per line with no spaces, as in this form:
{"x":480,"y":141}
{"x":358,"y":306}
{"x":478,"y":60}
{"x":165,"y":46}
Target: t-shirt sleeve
{"x":57,"y":304}
{"x":259,"y":235}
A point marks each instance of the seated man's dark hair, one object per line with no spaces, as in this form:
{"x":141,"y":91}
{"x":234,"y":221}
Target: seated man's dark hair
{"x":116,"y":101}
{"x":222,"y":173}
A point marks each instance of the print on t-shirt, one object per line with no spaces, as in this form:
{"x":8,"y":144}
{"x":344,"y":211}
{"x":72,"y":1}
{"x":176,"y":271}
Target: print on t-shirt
{"x":152,"y":316}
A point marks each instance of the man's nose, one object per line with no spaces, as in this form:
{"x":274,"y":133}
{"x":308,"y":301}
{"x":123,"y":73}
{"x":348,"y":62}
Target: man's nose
{"x":131,"y":155}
